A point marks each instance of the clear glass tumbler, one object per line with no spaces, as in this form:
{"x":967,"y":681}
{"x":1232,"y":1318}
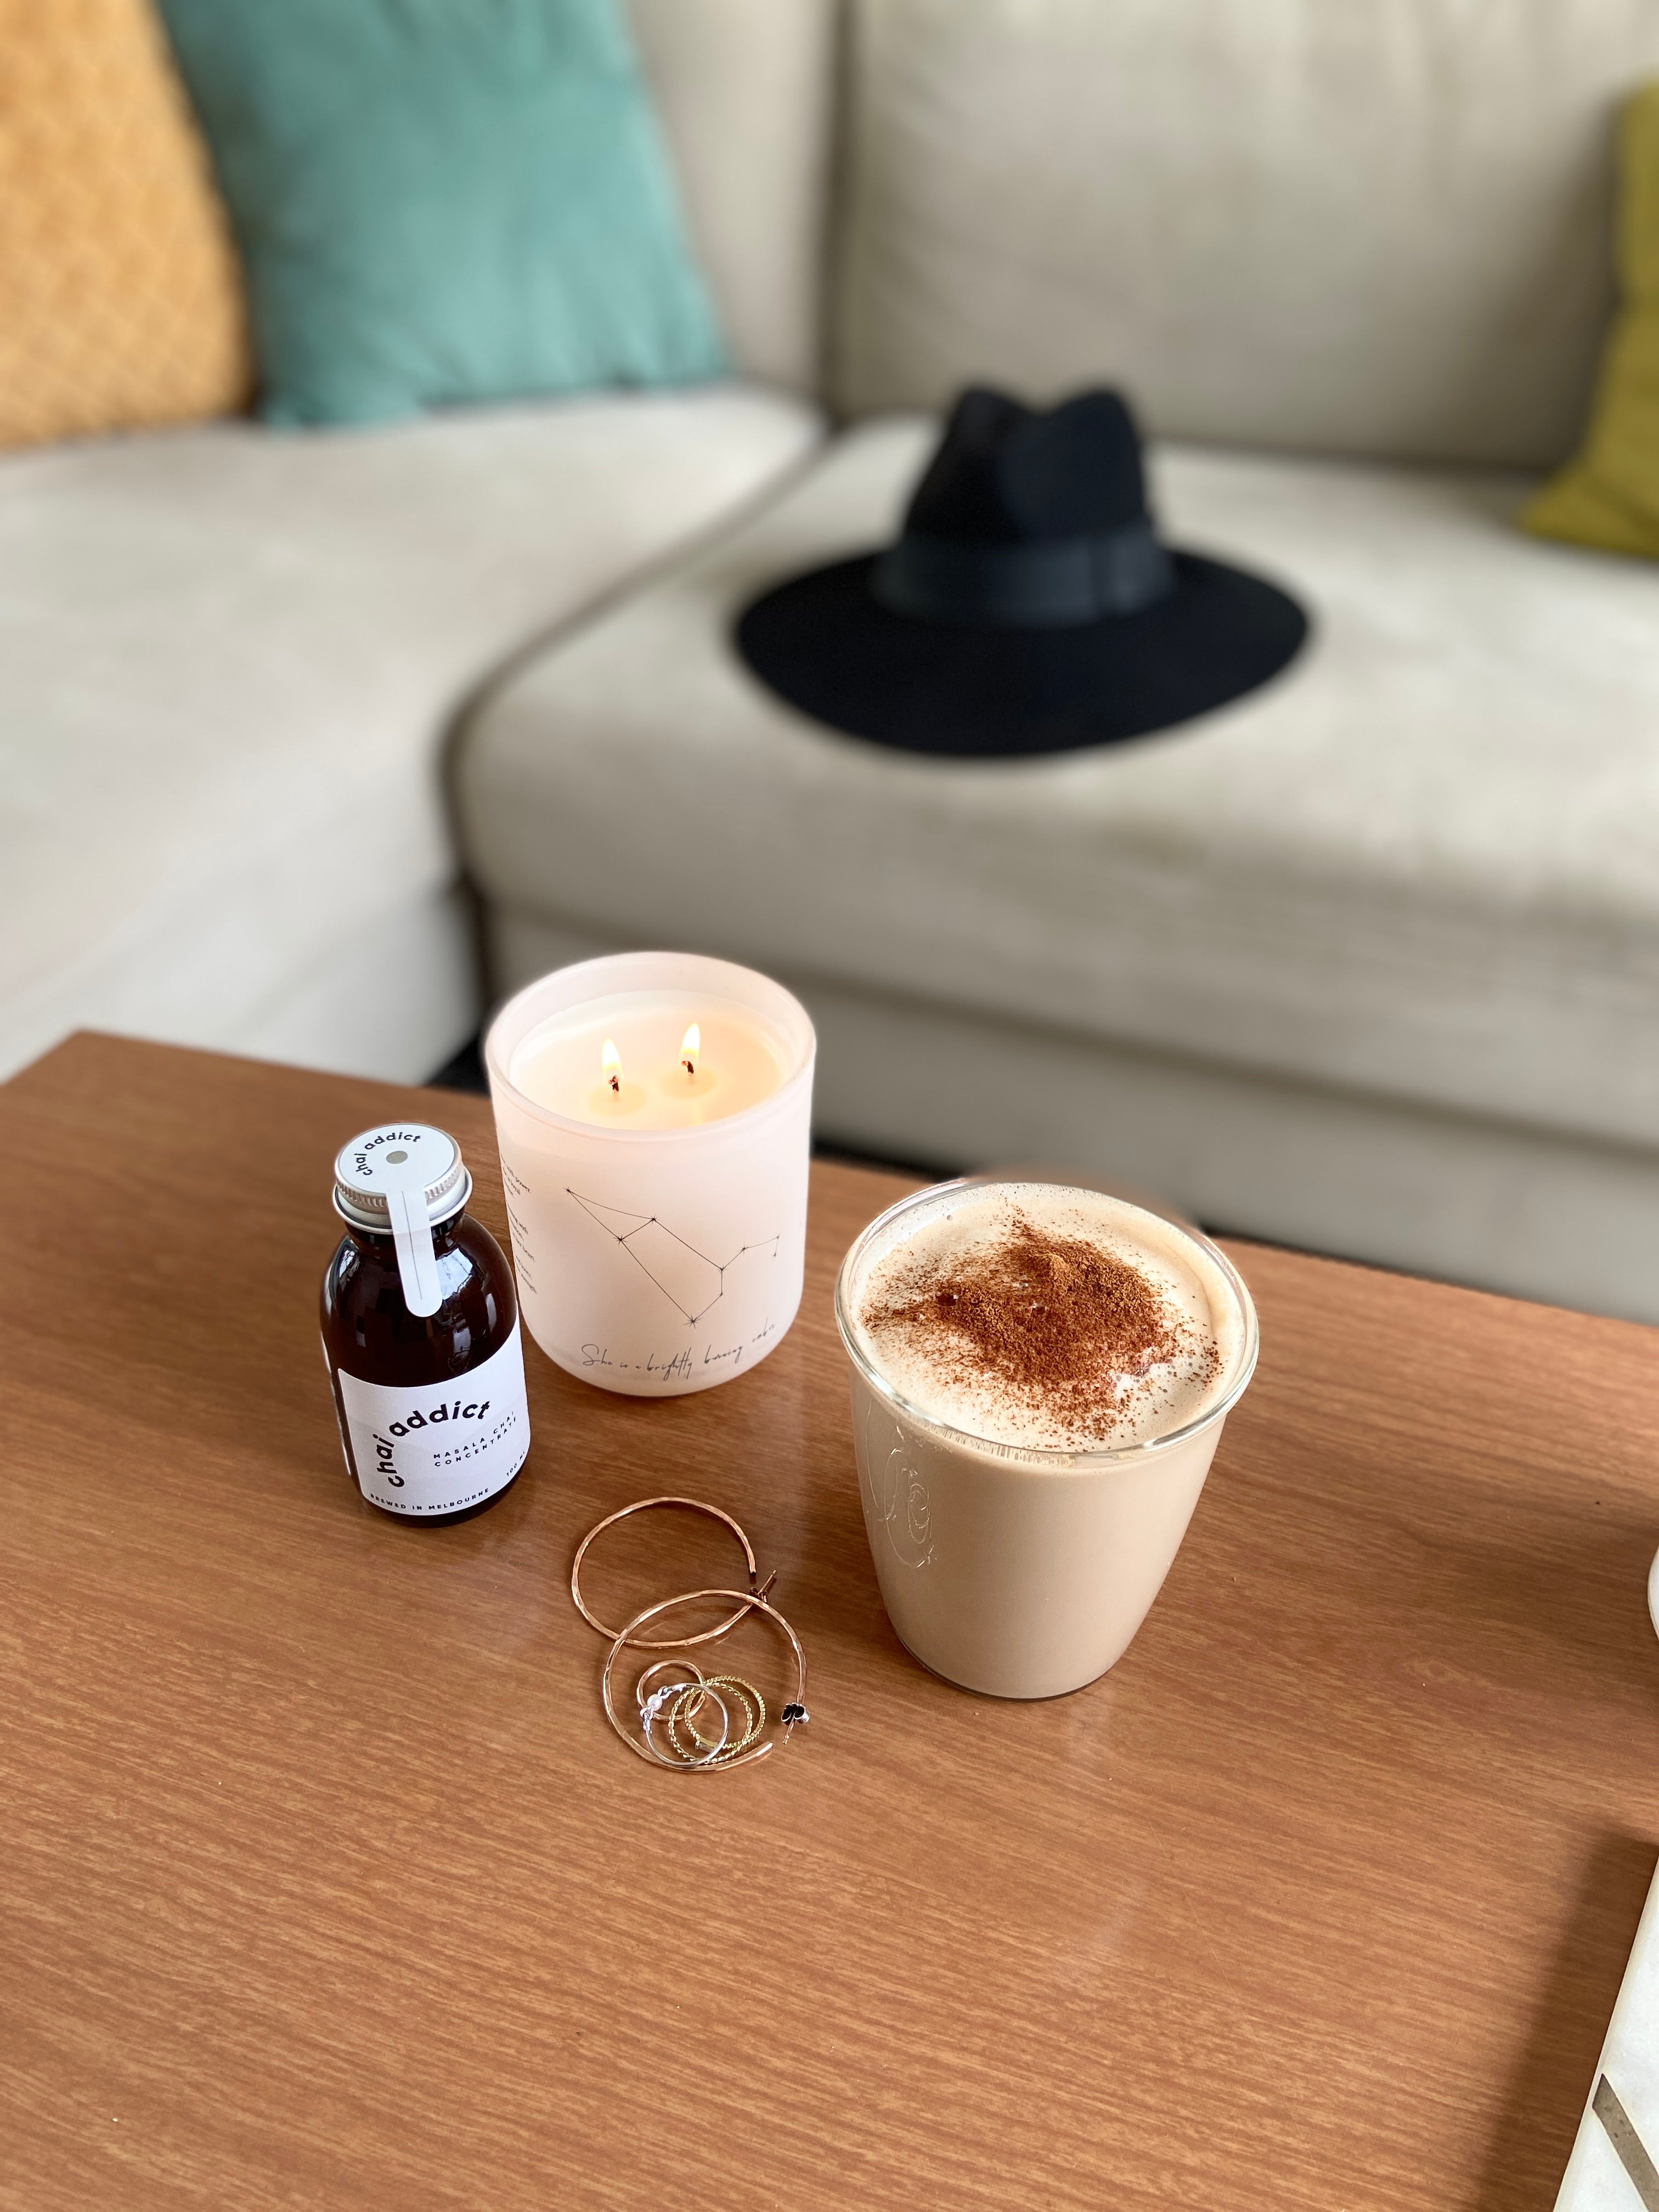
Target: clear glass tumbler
{"x":1019,"y":1572}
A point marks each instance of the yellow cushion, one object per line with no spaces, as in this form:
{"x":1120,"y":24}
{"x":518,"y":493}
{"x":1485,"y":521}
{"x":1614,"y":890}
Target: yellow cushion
{"x":120,"y":298}
{"x":1609,"y":495}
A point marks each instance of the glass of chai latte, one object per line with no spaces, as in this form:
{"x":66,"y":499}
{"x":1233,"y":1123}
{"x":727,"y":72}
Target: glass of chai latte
{"x":1040,"y":1378}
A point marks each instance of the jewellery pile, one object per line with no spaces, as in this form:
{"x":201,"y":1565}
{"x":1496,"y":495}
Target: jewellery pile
{"x":692,"y":1721}
{"x":678,"y":1704}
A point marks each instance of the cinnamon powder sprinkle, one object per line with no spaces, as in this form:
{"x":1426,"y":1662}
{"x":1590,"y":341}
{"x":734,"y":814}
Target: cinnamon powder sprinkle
{"x":1071,"y":1332}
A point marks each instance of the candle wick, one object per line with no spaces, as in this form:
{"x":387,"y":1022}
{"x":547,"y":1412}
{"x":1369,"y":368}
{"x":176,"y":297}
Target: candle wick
{"x":615,"y":1085}
{"x":690,"y":1067}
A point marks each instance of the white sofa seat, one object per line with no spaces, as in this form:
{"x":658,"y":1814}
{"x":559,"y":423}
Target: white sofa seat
{"x":1420,"y":871}
{"x":229,"y":660}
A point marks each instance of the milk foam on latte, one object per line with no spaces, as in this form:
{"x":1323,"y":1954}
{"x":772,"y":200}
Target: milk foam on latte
{"x":1040,"y":1316}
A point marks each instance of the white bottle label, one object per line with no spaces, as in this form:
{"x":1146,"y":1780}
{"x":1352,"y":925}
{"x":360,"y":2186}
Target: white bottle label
{"x":439,"y":1447}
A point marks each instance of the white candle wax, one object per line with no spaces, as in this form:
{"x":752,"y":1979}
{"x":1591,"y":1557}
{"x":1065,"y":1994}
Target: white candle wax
{"x":656,"y":1081}
{"x":658,"y":1209}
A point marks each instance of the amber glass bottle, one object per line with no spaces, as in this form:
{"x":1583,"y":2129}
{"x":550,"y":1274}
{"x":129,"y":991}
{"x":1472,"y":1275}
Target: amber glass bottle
{"x":420,"y":1332}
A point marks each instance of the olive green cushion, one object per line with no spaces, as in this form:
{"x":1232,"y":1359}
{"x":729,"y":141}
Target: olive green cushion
{"x":1608,"y":496}
{"x":441,"y":201}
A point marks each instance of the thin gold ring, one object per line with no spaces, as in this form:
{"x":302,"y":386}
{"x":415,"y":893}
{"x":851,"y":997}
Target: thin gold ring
{"x":660,"y":1666}
{"x":688,"y":1705}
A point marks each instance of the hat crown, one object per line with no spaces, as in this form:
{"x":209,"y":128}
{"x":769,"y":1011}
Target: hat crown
{"x":1009,"y":474}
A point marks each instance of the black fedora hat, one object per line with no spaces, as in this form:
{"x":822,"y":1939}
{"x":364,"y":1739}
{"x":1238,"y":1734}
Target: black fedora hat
{"x":1029,"y":607}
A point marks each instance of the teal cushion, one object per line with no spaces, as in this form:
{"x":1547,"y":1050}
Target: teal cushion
{"x":442,"y":201}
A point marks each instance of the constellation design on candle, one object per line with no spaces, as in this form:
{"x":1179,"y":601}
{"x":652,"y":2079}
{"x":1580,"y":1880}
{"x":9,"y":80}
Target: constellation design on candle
{"x":688,"y":1278}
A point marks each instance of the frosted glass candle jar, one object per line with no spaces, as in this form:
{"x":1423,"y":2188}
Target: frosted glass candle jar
{"x":1007,"y":1568}
{"x":654,"y":1114}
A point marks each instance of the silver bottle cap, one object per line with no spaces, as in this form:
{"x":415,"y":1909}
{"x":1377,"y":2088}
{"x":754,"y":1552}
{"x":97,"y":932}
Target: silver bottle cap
{"x":397,"y":1182}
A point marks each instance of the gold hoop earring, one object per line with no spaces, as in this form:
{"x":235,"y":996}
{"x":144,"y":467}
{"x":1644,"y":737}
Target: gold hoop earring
{"x":757,"y":1588}
{"x":746,"y":1601}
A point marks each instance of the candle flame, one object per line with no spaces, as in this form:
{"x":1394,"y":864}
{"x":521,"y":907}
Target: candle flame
{"x":610,"y":1064}
{"x":691,"y":1046}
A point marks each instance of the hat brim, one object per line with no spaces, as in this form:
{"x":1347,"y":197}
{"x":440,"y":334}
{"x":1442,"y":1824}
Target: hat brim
{"x":970,"y":691}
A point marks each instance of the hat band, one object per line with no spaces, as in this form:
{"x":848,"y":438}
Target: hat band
{"x":1048,"y":585}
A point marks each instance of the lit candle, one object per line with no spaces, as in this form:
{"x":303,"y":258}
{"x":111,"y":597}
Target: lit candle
{"x":654,"y":1113}
{"x":633,"y":1060}
{"x":611,"y":1083}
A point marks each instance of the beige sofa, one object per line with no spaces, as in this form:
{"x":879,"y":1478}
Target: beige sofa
{"x":1370,"y":960}
{"x":230,"y":659}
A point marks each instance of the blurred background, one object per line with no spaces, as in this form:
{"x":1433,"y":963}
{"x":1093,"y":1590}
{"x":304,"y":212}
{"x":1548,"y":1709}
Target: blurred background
{"x":401,"y":403}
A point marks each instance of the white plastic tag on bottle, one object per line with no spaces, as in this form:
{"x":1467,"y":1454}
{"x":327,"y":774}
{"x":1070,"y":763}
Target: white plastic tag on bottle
{"x":409,"y":1168}
{"x":404,"y":1182}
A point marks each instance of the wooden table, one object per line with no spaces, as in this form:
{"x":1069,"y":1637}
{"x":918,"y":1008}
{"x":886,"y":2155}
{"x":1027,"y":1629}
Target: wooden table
{"x":323,"y":1884}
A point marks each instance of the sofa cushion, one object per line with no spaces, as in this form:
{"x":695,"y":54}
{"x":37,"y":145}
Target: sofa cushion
{"x":1424,"y":864}
{"x":120,"y":300}
{"x":439,"y":204}
{"x":228,"y":660}
{"x":1372,"y":229}
{"x":1608,"y":496}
